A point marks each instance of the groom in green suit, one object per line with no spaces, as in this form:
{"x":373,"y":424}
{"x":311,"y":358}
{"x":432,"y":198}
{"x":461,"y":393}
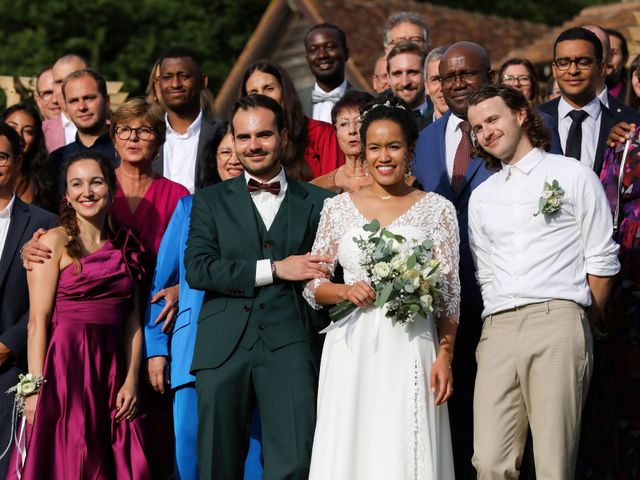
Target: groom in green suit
{"x":257,"y":340}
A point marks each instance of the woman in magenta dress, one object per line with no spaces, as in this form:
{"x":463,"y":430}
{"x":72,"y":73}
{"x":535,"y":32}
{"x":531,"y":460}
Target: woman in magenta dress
{"x":144,"y":200}
{"x":85,"y":339}
{"x":312,"y":149}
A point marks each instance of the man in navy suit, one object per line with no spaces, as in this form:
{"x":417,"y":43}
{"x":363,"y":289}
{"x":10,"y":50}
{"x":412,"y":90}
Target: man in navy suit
{"x":18,"y":222}
{"x":583,"y":120}
{"x":464,"y":68}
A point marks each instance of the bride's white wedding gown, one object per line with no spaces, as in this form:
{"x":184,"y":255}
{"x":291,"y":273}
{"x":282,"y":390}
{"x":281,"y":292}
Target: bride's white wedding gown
{"x":377,"y":418}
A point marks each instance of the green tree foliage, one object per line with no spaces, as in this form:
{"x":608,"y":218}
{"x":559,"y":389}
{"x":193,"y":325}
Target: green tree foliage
{"x":123,"y":38}
{"x":551,"y":12}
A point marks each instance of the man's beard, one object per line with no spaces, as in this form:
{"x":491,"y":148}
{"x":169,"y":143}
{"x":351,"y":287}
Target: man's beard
{"x":94,"y":129}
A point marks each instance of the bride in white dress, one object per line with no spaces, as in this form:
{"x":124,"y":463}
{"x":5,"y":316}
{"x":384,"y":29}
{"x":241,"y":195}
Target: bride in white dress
{"x":383,"y":385}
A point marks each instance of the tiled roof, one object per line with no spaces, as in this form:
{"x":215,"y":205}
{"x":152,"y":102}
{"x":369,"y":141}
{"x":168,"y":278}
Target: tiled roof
{"x":363,"y":21}
{"x":622,"y":16}
{"x":278,"y":36}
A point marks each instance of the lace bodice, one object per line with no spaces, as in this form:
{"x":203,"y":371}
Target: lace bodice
{"x":431,"y":217}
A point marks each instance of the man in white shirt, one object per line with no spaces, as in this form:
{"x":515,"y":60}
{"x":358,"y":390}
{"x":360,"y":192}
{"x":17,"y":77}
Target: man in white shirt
{"x":540,"y":234}
{"x":326,"y":53}
{"x":189,"y":128}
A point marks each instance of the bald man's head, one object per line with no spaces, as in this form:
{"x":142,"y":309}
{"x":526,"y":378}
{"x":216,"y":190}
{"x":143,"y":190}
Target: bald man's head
{"x":65,"y":66}
{"x":464,"y":68}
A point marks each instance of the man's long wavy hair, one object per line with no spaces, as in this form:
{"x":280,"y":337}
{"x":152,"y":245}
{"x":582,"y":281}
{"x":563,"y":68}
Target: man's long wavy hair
{"x":534,"y":127}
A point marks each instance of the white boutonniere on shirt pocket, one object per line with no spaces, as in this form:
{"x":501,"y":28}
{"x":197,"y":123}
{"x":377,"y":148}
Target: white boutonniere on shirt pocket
{"x":551,"y":198}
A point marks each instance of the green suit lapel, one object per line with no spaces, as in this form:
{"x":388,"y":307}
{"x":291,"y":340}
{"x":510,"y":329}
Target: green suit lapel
{"x":298,"y":215}
{"x":240,"y":207}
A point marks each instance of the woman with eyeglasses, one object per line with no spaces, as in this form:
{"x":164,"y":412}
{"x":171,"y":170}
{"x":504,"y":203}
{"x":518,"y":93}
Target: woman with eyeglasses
{"x":519,"y":73}
{"x":345,"y":117}
{"x":144,"y":200}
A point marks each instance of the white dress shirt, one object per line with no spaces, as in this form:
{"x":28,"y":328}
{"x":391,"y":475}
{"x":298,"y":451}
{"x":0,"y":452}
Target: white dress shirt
{"x":70,"y":129}
{"x":322,"y":110}
{"x":5,"y":220}
{"x":590,"y":128}
{"x":267,"y":205}
{"x":452,"y":137}
{"x":181,"y":152}
{"x":522,"y":258}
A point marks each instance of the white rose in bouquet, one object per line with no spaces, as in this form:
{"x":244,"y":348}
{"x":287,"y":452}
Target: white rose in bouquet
{"x":382,"y":269}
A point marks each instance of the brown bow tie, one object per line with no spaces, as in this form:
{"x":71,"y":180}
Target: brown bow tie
{"x":255,"y":186}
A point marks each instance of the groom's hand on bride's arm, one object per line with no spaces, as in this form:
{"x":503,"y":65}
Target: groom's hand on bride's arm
{"x":33,"y":251}
{"x":303,"y":267}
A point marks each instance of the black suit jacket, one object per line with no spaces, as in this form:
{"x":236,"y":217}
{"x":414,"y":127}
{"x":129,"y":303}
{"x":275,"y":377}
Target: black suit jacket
{"x":208,"y":128}
{"x":14,"y":295}
{"x":617,"y":112}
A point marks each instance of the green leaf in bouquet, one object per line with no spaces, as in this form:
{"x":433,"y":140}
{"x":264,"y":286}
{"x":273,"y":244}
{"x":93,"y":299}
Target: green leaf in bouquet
{"x":409,"y":288}
{"x":434,"y":269}
{"x":341,"y":310}
{"x":385,"y":293}
{"x":427,"y":244}
{"x":411,"y":261}
{"x":373,"y":226}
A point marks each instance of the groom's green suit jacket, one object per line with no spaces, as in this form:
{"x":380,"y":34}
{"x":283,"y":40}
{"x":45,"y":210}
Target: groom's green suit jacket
{"x":226,"y":239}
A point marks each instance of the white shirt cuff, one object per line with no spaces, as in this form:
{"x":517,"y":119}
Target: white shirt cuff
{"x":263,"y":273}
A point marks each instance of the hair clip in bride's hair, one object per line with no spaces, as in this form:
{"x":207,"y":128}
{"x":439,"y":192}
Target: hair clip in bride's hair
{"x":385,"y":104}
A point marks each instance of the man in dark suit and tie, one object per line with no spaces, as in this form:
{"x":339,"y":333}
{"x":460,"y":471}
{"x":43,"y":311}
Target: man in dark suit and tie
{"x":583,"y":121}
{"x":256,"y":341}
{"x":444,"y":164}
{"x":189,"y":129}
{"x":18,"y":222}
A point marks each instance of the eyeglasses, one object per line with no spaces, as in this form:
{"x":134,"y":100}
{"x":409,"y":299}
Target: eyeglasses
{"x":582,"y":63}
{"x":519,"y":79}
{"x":143,"y":133}
{"x":46,"y":95}
{"x":224,"y":155}
{"x":465,"y":77}
{"x":5,"y":158}
{"x":343,"y":125}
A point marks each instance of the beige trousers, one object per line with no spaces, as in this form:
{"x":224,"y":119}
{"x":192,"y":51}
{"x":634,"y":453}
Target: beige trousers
{"x":534,"y":367}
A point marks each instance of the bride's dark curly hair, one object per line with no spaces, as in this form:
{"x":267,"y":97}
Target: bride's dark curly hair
{"x":68,"y":219}
{"x":394,"y":109}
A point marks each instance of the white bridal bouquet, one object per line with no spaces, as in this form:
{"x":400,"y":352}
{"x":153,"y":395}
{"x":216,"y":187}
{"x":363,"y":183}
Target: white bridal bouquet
{"x":403,"y":273}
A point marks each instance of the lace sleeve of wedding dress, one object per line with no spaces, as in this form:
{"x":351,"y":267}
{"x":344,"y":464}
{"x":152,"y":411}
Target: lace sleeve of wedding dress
{"x":446,"y":240}
{"x":326,"y":243}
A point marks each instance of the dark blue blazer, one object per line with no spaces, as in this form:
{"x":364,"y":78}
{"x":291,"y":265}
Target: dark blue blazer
{"x":430,"y":169}
{"x":14,"y":295}
{"x":616,"y":113}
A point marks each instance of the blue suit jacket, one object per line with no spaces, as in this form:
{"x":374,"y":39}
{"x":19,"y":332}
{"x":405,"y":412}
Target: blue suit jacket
{"x":178,"y":346}
{"x":430,"y":169}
